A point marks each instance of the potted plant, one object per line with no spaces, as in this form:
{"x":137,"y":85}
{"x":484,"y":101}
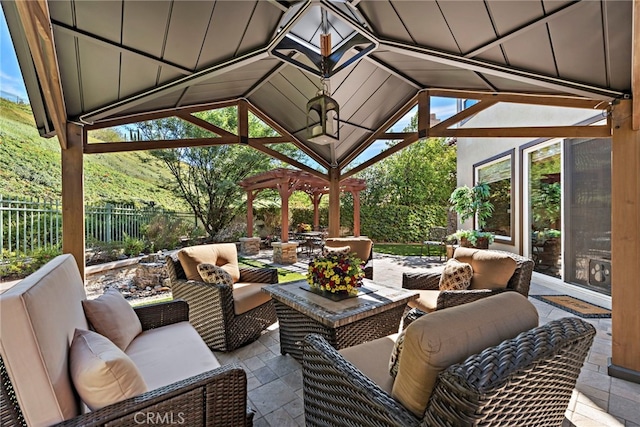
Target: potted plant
{"x":472,"y":203}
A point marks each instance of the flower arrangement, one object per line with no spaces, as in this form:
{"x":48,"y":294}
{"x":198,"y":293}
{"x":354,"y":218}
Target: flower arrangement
{"x":336,"y":273}
{"x":304,"y":228}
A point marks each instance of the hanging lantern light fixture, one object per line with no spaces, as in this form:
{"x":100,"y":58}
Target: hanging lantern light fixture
{"x":323,"y":112}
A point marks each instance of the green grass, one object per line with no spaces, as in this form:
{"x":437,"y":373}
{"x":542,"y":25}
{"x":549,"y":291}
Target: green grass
{"x":30,"y":167}
{"x":403,"y":249}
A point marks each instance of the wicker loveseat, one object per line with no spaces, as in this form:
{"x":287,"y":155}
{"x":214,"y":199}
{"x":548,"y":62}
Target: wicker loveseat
{"x":226,"y":317}
{"x":40,"y":318}
{"x":454,"y":370}
{"x":485,"y":261}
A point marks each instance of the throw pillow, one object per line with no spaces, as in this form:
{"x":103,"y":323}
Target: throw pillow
{"x":213,"y":274}
{"x":102,"y":373}
{"x":112,"y":316}
{"x":394,"y":362}
{"x":456,"y":276}
{"x":339,"y":250}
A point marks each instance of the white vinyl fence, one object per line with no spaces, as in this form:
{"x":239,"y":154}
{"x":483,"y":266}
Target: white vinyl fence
{"x":27,"y":225}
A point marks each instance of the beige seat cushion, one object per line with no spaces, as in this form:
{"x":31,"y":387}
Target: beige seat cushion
{"x":360,"y":246}
{"x":491,"y":269}
{"x":36,"y":354}
{"x":223,"y":255}
{"x":372,"y":359}
{"x":427,"y":301}
{"x":169,"y":354}
{"x":247,"y":296}
{"x":112,"y":316}
{"x":101,"y":372}
{"x":445,"y":337}
{"x":456,"y":276}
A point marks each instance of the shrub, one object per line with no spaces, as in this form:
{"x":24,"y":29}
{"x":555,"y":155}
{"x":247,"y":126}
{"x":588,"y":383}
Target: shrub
{"x":132,"y":246}
{"x":20,"y":267}
{"x":167,"y":232}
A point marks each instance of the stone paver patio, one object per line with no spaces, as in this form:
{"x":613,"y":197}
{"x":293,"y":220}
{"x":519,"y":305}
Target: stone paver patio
{"x":275,"y":381}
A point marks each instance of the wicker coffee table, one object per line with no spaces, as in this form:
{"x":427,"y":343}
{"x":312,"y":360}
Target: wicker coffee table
{"x":342,"y":323}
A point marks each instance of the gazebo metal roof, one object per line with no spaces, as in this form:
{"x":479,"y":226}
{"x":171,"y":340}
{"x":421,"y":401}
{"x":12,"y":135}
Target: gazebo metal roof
{"x":121,"y":58}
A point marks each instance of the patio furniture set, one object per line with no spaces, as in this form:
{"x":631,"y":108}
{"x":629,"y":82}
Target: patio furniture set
{"x":475,"y":362}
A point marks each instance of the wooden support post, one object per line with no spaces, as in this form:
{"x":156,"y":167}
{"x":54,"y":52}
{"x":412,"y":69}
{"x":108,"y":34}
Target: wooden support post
{"x":625,"y":245}
{"x":73,"y":195}
{"x":250,"y":195}
{"x":334,"y":202}
{"x":283,"y":189}
{"x":424,"y":114}
{"x":243,"y":122}
{"x":315,"y":199}
{"x":356,"y":213}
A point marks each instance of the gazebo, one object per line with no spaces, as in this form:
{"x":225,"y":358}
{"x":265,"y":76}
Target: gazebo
{"x":90,"y":65}
{"x":286,"y":181}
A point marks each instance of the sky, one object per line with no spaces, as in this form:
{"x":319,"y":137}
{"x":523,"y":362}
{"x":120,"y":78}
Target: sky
{"x":12,"y":87}
{"x":11,"y":83}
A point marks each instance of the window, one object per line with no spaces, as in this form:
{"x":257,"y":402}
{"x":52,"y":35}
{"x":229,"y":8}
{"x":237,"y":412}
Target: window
{"x":498,"y":173}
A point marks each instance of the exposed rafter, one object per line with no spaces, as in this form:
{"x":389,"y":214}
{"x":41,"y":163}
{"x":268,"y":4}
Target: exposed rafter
{"x":35,"y":19}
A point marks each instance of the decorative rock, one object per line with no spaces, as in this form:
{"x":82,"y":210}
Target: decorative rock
{"x":149,"y":274}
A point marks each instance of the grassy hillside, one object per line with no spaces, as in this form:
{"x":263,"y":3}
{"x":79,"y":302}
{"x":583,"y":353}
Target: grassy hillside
{"x":30,"y":166}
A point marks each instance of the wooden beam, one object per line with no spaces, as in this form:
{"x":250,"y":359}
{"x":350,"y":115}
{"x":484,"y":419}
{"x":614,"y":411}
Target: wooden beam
{"x":162,"y":114}
{"x":467,"y":112}
{"x":524,"y":98}
{"x":602,"y":131}
{"x":265,"y":140}
{"x":35,"y":19}
{"x":73,"y":234}
{"x":282,"y":131}
{"x":381,"y":130}
{"x":635,"y":65}
{"x":118,"y":147}
{"x":205,"y":125}
{"x":409,"y":139}
{"x":276,"y":155}
{"x":625,"y":245}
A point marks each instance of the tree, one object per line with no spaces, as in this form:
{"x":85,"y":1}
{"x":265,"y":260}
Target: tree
{"x":207,"y":177}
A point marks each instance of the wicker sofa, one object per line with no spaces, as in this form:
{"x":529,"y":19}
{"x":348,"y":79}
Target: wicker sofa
{"x":225,"y":315}
{"x":39,"y":320}
{"x":455,"y":369}
{"x":484,"y":261}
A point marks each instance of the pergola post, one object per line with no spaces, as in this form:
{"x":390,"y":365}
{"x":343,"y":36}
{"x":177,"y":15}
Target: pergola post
{"x":334,"y":202}
{"x":283,"y":190}
{"x":250,"y":196}
{"x":73,"y":195}
{"x":625,"y":245}
{"x":356,"y":213}
{"x":315,"y":199}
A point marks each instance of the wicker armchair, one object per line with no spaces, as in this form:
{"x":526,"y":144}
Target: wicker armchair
{"x":527,"y":380}
{"x":520,"y":282}
{"x":197,"y":399}
{"x":212,"y":307}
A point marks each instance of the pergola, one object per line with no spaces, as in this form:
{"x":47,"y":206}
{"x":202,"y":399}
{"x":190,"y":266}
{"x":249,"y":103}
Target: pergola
{"x":286,"y":181}
{"x":95,"y":64}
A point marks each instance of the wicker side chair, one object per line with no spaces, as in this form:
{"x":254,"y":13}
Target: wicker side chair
{"x":211,"y":307}
{"x":520,"y":282}
{"x":527,"y":380}
{"x":214,"y":398}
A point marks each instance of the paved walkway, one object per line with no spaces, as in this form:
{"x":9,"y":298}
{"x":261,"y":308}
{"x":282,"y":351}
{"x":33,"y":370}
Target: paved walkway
{"x":275,"y":381}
